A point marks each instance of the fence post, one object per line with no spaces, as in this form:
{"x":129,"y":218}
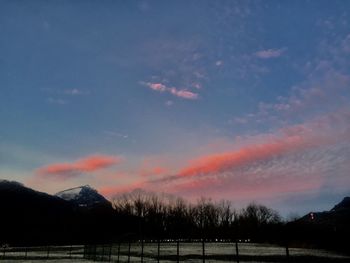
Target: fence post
{"x":3,"y":253}
{"x":287,"y":252}
{"x":237,"y":252}
{"x":95,"y":252}
{"x":110,"y":253}
{"x":84,"y":252}
{"x":70,"y":252}
{"x":142,"y":250}
{"x":103,"y":253}
{"x":48,"y":252}
{"x":129,"y":252}
{"x":118,"y":252}
{"x":25,"y":252}
{"x":203,"y":250}
{"x":158,"y":250}
{"x":177,"y":251}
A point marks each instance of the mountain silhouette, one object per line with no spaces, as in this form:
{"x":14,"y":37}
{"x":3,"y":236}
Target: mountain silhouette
{"x":28,"y":214}
{"x":339,"y":215}
{"x":81,"y":215}
{"x":328,"y":229}
{"x":32,"y":217}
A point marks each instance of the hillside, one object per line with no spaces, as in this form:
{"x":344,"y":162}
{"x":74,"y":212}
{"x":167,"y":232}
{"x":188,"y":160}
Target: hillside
{"x":30,"y":216}
{"x":328,"y":229}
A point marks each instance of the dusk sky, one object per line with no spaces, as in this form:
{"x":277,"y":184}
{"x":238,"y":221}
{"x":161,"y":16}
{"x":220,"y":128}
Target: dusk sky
{"x":237,"y":100}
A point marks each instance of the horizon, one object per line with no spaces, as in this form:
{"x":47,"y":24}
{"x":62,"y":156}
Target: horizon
{"x":291,"y":215}
{"x":235,"y":100}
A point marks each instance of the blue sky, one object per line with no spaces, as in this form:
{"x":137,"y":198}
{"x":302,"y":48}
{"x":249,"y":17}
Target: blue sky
{"x":242,"y":100}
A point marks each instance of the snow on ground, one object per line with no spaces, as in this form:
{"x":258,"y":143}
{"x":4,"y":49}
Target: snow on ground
{"x":188,"y":252}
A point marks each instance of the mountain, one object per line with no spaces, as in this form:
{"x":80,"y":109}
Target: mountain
{"x":338,"y":215}
{"x":14,"y":195}
{"x":32,"y":215}
{"x":343,"y":205}
{"x":78,"y":215}
{"x":328,"y":229}
{"x":83,"y":196}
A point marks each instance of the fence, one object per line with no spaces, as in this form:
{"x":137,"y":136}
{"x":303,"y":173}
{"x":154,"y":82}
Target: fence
{"x":157,"y":251}
{"x":42,"y":252}
{"x":172,"y":251}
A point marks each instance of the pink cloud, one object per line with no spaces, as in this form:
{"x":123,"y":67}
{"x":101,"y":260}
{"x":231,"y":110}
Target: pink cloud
{"x":149,"y":171}
{"x":157,"y":86}
{"x":88,"y":164}
{"x":244,"y":188}
{"x":181,"y":93}
{"x":324,"y":130}
{"x":215,"y":163}
{"x":270,"y":53}
{"x":294,"y":159}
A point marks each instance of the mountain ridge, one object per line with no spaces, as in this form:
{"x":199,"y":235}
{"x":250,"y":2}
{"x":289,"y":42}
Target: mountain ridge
{"x":83,"y":196}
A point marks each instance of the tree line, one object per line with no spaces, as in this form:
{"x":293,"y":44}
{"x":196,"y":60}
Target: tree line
{"x":163,"y":216}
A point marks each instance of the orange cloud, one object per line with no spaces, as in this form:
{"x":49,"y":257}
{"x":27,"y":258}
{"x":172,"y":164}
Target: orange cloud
{"x":88,"y":164}
{"x":219,"y":162}
{"x":157,"y":170}
{"x":244,"y":189}
{"x":294,"y":159}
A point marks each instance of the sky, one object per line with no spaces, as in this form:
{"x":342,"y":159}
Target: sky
{"x":238,"y":100}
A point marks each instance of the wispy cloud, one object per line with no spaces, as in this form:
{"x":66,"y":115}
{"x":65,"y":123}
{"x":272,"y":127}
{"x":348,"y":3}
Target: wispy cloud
{"x":74,"y":92}
{"x":67,"y":170}
{"x":56,"y":101}
{"x":325,"y":87}
{"x":116,"y":134}
{"x":181,"y":93}
{"x":346,"y":44}
{"x":270,"y":53}
{"x":169,"y":103}
{"x":240,"y":120}
{"x":219,"y":63}
{"x":185,"y":94}
{"x":157,"y":86}
{"x":297,"y":158}
{"x":59,"y":96}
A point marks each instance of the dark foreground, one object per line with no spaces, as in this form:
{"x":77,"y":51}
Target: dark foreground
{"x":171,"y":252}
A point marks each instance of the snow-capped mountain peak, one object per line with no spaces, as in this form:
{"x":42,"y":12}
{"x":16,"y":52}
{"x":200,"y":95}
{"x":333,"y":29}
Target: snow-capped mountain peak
{"x":82,"y":196}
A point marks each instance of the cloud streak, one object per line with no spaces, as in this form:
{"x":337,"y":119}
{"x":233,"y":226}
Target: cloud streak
{"x":88,"y":164}
{"x":297,"y":158}
{"x":322,"y":131}
{"x":181,"y":93}
{"x":270,"y":53}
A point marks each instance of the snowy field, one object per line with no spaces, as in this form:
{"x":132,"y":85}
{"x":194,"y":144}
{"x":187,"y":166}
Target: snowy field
{"x":188,"y":252}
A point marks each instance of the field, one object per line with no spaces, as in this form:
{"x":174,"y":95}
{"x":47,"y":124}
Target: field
{"x":188,"y":252}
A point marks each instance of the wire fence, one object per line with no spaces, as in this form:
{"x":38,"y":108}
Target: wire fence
{"x":42,"y":252}
{"x":171,"y":251}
